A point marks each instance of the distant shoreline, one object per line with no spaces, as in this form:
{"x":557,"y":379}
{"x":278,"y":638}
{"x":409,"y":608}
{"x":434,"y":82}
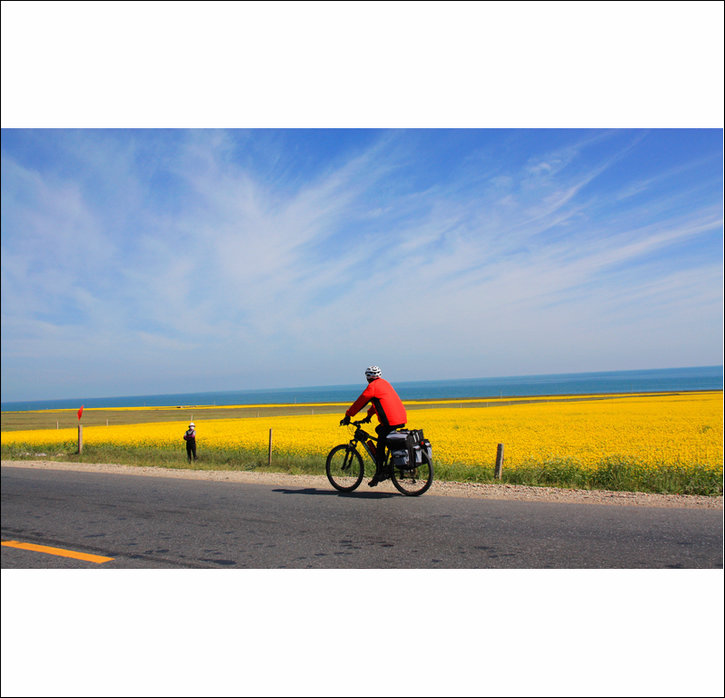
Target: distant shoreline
{"x":532,"y":386}
{"x":502,"y":400}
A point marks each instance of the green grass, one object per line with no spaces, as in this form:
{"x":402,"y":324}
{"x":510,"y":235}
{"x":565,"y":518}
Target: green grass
{"x":609,"y":474}
{"x":614,"y":474}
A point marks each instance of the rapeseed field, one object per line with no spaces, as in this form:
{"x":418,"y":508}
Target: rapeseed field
{"x":566,"y":440}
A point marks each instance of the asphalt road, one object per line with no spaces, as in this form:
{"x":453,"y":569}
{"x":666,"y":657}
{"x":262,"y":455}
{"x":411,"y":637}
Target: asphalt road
{"x":148,"y":522}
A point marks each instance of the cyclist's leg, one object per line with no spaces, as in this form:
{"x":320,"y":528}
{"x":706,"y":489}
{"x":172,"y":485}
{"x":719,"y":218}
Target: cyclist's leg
{"x":383,"y":430}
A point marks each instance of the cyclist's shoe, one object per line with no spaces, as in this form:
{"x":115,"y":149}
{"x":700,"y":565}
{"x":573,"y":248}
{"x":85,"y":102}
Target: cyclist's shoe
{"x":379,"y":477}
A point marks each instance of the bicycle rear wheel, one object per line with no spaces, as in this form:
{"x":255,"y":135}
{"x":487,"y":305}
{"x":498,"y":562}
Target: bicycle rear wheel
{"x":344,"y":468}
{"x":413,"y":481}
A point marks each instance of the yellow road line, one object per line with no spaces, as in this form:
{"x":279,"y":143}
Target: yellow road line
{"x":56,"y":551}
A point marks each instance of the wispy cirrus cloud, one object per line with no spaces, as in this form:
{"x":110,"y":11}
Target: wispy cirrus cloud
{"x":260,"y":259}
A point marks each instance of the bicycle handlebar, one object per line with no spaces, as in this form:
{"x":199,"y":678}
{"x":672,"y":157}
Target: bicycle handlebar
{"x":360,"y":433}
{"x":356,"y":423}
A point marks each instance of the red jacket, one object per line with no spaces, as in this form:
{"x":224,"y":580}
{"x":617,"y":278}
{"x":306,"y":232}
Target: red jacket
{"x":386,"y":403}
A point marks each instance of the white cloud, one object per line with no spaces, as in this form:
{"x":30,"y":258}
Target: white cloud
{"x":258,"y":282}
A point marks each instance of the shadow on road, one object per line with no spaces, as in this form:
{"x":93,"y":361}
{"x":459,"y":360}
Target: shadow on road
{"x":360,"y":494}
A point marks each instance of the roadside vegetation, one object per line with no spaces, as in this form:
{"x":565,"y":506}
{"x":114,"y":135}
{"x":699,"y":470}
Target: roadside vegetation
{"x":662,"y":442}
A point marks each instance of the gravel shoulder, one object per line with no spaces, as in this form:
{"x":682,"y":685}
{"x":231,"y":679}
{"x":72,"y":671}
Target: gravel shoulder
{"x":439,"y":488}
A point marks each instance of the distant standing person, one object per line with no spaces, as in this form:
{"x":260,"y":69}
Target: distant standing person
{"x":190,"y":438}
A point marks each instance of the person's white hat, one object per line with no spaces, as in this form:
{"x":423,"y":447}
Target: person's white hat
{"x":192,"y":424}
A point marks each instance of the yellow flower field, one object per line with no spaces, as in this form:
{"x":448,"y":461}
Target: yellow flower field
{"x":651,"y":430}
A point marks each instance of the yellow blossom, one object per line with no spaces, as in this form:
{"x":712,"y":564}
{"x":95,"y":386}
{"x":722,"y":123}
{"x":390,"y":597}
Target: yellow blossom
{"x":651,"y":430}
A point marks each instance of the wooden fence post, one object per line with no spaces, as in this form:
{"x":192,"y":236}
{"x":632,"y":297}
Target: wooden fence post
{"x":269,"y":457}
{"x":499,"y":462}
{"x":80,"y":438}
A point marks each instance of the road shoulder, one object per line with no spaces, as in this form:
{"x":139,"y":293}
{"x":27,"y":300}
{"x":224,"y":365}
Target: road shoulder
{"x":439,"y":488}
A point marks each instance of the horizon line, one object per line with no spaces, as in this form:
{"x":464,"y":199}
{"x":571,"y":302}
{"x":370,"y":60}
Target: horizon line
{"x":345,"y":385}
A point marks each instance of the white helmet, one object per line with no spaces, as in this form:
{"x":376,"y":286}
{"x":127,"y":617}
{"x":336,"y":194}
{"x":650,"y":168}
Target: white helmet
{"x":192,"y":425}
{"x":373,"y":372}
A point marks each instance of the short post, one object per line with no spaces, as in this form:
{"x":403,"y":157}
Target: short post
{"x":269,"y":457}
{"x":80,"y":438}
{"x":499,"y":462}
{"x":57,"y":424}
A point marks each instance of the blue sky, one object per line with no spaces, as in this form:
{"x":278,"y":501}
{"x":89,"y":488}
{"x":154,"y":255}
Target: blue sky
{"x":139,"y":261}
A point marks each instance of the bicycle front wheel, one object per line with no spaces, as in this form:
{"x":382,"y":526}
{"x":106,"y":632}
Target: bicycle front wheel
{"x":344,"y":468}
{"x":413,"y":481}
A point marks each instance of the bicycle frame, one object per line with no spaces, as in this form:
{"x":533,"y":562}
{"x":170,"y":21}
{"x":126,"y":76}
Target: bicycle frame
{"x":361,"y":436}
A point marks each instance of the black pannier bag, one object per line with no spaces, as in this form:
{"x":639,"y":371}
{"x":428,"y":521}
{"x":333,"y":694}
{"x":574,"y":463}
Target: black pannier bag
{"x":415,"y":436}
{"x":397,"y":443}
{"x":400,"y":459}
{"x":415,"y":439}
{"x":407,"y":446}
{"x":398,"y":439}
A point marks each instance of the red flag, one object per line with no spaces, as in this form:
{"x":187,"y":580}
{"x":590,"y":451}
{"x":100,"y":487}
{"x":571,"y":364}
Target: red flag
{"x":80,"y":412}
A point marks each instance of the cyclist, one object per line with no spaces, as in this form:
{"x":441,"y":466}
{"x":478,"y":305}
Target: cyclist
{"x":389,"y":409}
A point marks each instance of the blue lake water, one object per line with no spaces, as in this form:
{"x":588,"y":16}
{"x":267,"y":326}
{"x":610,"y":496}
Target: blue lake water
{"x":653,"y":380}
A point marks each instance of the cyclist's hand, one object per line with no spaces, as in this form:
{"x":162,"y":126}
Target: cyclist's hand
{"x":345,"y":421}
